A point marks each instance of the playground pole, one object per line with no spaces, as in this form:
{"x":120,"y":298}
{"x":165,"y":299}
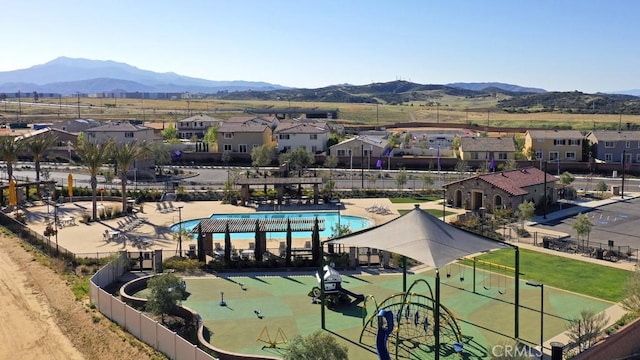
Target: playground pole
{"x":516,"y":298}
{"x":436,"y":326}
{"x":322,"y":314}
{"x":474,"y":275}
{"x":404,"y":274}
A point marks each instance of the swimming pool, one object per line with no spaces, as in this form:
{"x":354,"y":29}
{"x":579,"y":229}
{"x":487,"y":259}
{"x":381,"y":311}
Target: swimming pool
{"x":355,"y":223}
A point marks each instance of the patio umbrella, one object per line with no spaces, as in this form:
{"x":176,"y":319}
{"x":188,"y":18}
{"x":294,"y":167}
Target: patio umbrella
{"x":315,"y":243}
{"x":288,"y":250}
{"x":227,"y":244}
{"x":257,"y":252}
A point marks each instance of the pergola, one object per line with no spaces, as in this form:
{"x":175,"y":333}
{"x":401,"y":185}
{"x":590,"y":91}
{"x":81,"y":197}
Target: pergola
{"x":421,"y":236}
{"x":26,"y":185}
{"x":278,"y":184}
{"x":207,"y":227}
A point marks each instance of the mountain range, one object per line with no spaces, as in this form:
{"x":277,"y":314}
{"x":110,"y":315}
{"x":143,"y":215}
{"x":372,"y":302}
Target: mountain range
{"x":67,"y":76}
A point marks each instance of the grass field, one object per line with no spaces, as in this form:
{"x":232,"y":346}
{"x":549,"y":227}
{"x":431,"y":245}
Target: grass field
{"x":452,"y":110}
{"x":590,"y":279}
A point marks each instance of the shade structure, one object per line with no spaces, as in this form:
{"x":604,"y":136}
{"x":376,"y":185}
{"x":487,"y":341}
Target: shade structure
{"x":422,"y":237}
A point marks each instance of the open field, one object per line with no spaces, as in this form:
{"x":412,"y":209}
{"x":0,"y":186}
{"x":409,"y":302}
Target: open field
{"x":452,"y":110}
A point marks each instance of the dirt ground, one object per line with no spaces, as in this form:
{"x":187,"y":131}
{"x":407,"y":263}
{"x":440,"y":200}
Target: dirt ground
{"x":42,"y":320}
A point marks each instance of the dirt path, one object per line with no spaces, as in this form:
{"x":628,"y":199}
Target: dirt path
{"x":40,"y":318}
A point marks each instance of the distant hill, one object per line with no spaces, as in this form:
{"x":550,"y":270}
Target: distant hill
{"x":573,"y":102}
{"x":632,"y":92}
{"x":496,"y":85}
{"x":67,"y":76}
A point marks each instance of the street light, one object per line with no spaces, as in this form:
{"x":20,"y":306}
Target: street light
{"x":541,"y":286}
{"x":180,"y":230}
{"x":55,"y":221}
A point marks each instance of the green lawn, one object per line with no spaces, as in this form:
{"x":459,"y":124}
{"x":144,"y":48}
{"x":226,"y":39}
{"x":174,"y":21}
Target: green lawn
{"x":413,"y":200}
{"x":602,"y":282}
{"x":435,"y":212}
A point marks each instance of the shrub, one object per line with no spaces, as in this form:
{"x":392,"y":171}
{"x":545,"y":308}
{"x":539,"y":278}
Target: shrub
{"x":183,"y":265}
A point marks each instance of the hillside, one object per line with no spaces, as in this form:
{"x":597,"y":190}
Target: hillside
{"x":572,"y":102}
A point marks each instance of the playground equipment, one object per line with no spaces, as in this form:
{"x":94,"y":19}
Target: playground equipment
{"x":264,"y":337}
{"x":333,"y":291}
{"x":414,"y":317}
{"x":487,"y":280}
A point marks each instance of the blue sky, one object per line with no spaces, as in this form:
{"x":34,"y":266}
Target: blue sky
{"x":561,"y":45}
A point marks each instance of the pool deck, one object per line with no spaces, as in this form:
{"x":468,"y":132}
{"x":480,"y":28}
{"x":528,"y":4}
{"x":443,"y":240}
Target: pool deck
{"x":155,"y":229}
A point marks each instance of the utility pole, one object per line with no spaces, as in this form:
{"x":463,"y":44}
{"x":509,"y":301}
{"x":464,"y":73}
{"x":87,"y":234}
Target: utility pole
{"x":362,"y":162}
{"x":77,"y":92}
{"x":624,"y":155}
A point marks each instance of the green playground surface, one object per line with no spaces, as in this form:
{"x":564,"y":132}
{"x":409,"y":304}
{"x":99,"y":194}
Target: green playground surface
{"x":262,"y":308}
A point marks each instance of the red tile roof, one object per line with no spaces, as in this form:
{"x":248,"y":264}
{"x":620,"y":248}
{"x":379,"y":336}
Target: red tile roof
{"x":514,"y":181}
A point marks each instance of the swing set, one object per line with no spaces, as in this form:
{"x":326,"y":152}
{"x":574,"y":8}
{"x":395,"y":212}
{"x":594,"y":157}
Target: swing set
{"x":489,"y":271}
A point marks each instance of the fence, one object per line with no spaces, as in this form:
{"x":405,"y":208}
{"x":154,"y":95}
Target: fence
{"x":593,"y":249}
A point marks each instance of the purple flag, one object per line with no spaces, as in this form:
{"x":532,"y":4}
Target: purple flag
{"x":493,"y":164}
{"x":379,"y":163}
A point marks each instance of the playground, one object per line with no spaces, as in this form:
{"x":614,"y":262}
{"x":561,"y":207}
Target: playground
{"x":262,"y":311}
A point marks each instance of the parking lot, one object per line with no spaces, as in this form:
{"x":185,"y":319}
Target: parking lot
{"x":618,"y":221}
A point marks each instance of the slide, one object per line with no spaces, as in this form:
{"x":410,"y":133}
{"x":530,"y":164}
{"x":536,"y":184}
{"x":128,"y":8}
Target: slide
{"x":384,"y":316}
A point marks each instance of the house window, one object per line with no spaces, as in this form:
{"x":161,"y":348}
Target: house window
{"x":242,"y":148}
{"x":608,"y":157}
{"x":228,"y":135}
{"x":627,"y":144}
{"x":286,"y":148}
{"x":283,"y":136}
{"x":342,"y":152}
{"x":574,"y":142}
{"x":314,"y":149}
{"x":559,"y":142}
{"x":313,"y":136}
{"x":570,"y":155}
{"x":92,"y":135}
{"x":539,"y":155}
{"x":627,"y":158}
{"x":637,"y":157}
{"x":609,"y":144}
{"x":227,"y":148}
{"x":128,"y":134}
{"x":502,"y":156}
{"x":554,"y":155}
{"x":474,"y":156}
{"x":200,"y":123}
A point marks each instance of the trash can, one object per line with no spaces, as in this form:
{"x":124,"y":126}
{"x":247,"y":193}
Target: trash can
{"x":545,"y":242}
{"x":556,"y":350}
{"x":599,"y":254}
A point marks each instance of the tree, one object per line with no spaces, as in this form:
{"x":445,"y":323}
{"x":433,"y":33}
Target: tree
{"x":93,"y":156}
{"x":170,"y":132}
{"x":262,"y":156}
{"x":510,"y":164}
{"x":632,"y":301}
{"x":161,"y":154}
{"x":566,"y":179}
{"x":330,"y":162}
{"x":9,"y":150}
{"x":401,"y":178}
{"x":36,"y":97}
{"x":125,"y":156}
{"x":461,"y":166}
{"x":316,"y":346}
{"x":167,"y":290}
{"x":526,"y":211}
{"x":298,"y":159}
{"x":586,"y":330}
{"x":38,"y":146}
{"x":427,"y":181}
{"x":582,"y":226}
{"x":601,"y":187}
{"x":211,"y":136}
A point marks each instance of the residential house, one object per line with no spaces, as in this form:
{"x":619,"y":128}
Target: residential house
{"x":361,"y":146}
{"x":312,"y":136}
{"x":609,"y":146}
{"x":426,"y":143}
{"x":506,"y":189}
{"x":76,"y":125}
{"x":196,"y":125}
{"x":125,"y":132}
{"x":270,"y":121}
{"x":553,"y":145}
{"x":242,"y":137}
{"x":65,"y":141}
{"x":494,"y":149}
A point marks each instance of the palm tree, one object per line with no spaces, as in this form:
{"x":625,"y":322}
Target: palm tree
{"x":93,"y":156}
{"x":125,"y":156}
{"x":9,"y":150}
{"x":38,"y":147}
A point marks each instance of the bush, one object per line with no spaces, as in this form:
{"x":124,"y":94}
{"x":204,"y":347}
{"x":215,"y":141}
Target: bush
{"x":183,"y":265}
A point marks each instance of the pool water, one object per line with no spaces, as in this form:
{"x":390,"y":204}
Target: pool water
{"x":355,"y":223}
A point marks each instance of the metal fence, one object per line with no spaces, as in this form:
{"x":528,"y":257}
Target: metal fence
{"x":603,"y":251}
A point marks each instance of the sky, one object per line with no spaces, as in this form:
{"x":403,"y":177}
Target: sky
{"x":566,"y":45}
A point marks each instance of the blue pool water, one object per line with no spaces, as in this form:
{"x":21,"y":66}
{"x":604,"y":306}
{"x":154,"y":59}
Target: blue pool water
{"x":355,"y":223}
